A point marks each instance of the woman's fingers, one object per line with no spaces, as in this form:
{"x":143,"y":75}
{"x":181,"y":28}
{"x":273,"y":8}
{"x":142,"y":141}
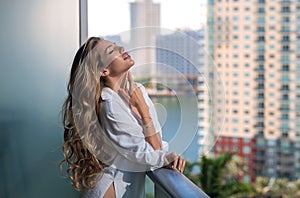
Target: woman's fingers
{"x":175,"y":162}
{"x":124,"y":95}
{"x":181,"y":164}
{"x":122,"y":82}
{"x":132,"y":85}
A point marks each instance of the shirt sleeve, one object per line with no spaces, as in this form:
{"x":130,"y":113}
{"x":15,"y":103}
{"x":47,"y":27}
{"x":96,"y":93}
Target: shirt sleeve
{"x":126,"y":135}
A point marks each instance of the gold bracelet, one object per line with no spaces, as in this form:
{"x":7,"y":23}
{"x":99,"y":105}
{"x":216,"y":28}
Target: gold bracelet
{"x":146,"y":118}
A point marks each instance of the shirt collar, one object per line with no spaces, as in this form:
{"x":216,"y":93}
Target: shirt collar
{"x":107,"y":93}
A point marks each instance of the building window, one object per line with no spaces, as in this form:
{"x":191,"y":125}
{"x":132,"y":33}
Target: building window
{"x":246,"y":140}
{"x":247,"y":27}
{"x":235,"y":120}
{"x":285,"y":19}
{"x":235,"y":102}
{"x":261,"y":10}
{"x":271,"y":37}
{"x":271,"y":143}
{"x":246,"y":178}
{"x":285,"y":9}
{"x":247,"y":18}
{"x":272,"y":27}
{"x":261,"y":20}
{"x":246,"y":150}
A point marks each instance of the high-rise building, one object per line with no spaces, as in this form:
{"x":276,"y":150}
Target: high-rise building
{"x":255,"y":46}
{"x":180,"y":64}
{"x":145,"y":25}
{"x":182,"y":50}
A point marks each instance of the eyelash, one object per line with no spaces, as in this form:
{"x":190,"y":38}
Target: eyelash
{"x":111,"y":52}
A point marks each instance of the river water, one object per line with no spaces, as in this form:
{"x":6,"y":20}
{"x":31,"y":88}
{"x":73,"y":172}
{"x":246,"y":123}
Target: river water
{"x":178,"y":117}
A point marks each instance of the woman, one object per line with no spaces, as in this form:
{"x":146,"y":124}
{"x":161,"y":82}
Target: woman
{"x":111,"y":131}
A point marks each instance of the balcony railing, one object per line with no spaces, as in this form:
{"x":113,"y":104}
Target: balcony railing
{"x":169,"y":183}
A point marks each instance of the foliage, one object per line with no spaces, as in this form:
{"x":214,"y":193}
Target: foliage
{"x":213,"y":179}
{"x":279,"y":187}
{"x":218,"y":178}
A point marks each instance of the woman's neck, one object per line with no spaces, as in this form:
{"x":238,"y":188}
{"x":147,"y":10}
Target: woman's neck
{"x":115,"y":83}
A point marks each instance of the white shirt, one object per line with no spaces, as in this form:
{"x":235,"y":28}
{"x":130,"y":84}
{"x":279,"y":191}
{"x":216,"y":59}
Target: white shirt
{"x":125,"y":148}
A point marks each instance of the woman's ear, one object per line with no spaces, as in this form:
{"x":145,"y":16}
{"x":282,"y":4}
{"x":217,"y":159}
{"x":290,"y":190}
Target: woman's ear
{"x":104,"y":73}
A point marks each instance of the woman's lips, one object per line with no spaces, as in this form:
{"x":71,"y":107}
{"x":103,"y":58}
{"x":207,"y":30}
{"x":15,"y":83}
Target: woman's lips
{"x":126,"y":55}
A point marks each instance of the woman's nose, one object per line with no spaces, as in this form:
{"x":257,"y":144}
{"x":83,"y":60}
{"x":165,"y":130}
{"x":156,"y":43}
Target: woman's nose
{"x":121,"y":50}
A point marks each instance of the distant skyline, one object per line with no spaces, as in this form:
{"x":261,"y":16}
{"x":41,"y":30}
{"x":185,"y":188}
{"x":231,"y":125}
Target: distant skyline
{"x":113,"y":17}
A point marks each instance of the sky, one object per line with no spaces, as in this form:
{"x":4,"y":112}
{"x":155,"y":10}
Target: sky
{"x":112,"y":17}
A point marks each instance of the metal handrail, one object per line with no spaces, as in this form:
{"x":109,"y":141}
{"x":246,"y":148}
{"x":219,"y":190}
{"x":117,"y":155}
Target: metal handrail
{"x":171,"y":183}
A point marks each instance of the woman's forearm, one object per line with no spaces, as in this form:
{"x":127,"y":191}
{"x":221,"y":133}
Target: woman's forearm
{"x":151,"y":136}
{"x":154,"y":141}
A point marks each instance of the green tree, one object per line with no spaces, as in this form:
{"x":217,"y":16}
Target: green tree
{"x":213,"y":178}
{"x":280,"y":187}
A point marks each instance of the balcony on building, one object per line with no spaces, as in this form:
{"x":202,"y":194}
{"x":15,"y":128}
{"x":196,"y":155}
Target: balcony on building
{"x":285,"y":10}
{"x":260,"y":77}
{"x":260,"y":58}
{"x":285,"y":40}
{"x":260,"y":39}
{"x":285,"y":2}
{"x":260,"y":86}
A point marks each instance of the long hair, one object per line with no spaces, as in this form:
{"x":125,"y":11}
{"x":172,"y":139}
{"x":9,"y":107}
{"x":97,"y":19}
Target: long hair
{"x":82,"y":103}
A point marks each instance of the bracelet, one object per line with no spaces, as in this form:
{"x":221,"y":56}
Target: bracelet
{"x":146,"y":118}
{"x":149,"y":129}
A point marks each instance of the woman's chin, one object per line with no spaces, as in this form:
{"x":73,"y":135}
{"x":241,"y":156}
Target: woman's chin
{"x":131,"y":62}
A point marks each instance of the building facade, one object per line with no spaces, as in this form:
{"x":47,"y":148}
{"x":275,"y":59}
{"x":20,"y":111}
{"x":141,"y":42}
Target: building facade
{"x":180,"y":58}
{"x":255,"y":47}
{"x":144,"y":26}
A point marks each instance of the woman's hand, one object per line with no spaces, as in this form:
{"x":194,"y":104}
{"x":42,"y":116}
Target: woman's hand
{"x":134,"y":97}
{"x":177,"y":162}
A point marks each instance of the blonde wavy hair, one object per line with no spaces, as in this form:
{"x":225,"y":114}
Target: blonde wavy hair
{"x":83,"y":101}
